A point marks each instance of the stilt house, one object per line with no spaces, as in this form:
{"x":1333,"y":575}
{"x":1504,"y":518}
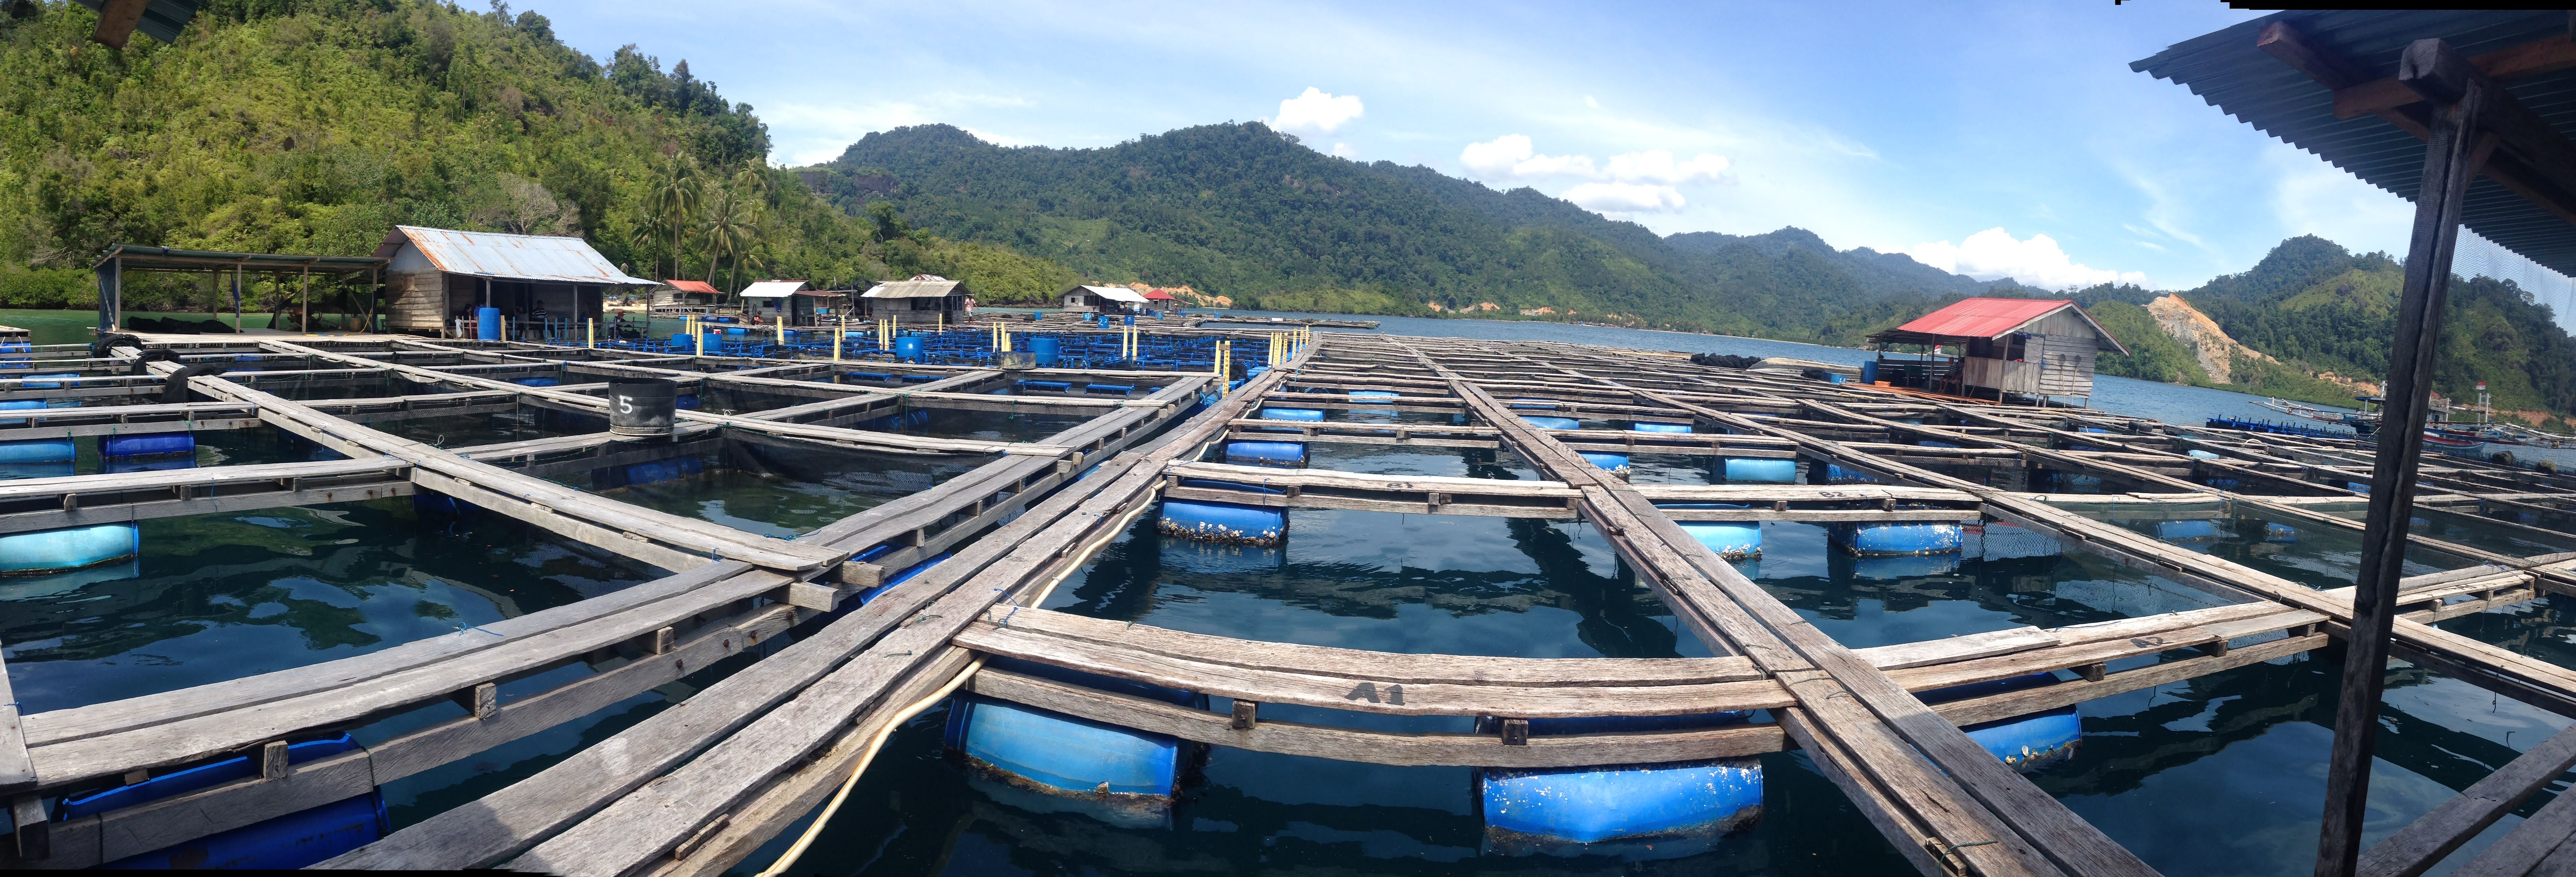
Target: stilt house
{"x":1997,"y":349}
{"x":438,"y":276}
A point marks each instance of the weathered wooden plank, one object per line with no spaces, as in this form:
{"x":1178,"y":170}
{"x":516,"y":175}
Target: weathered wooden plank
{"x":1387,"y":667}
{"x":2424,"y":842}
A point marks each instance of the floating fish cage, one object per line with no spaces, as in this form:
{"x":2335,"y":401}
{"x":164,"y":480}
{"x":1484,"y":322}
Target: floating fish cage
{"x":1076,"y":601}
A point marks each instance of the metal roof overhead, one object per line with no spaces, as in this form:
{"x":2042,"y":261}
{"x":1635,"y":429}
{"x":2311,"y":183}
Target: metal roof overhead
{"x":505,"y":256}
{"x":773,"y":289}
{"x":915,"y":288}
{"x":2326,"y":82}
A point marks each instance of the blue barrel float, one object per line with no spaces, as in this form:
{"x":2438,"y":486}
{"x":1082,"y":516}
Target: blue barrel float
{"x":2028,"y":742}
{"x":1898,"y":540}
{"x":1224,"y":521}
{"x":45,"y":552}
{"x":2285,"y":533}
{"x":1733,"y":540}
{"x":1043,"y":758}
{"x":1643,"y":811}
{"x":1388,"y":395}
{"x":537,"y":382}
{"x":294,"y":840}
{"x":1837,"y":474}
{"x":1048,"y":350}
{"x":487,"y":324}
{"x":150,"y":444}
{"x":1742,"y":470}
{"x":2187,"y":531}
{"x":908,"y":348}
{"x":1660,"y":427}
{"x":24,"y":451}
{"x":1266,"y":453}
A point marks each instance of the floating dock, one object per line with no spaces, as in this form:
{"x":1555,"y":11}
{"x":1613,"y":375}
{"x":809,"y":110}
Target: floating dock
{"x":936,"y":593}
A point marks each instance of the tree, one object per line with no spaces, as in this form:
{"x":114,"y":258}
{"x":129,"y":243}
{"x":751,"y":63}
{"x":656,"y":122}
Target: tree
{"x":730,"y":232}
{"x":673,"y":201}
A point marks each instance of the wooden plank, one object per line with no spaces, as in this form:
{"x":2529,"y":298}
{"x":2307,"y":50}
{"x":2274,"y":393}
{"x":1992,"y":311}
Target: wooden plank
{"x":2522,"y":850}
{"x":1372,"y":693}
{"x":2424,"y":842}
{"x":17,"y":770}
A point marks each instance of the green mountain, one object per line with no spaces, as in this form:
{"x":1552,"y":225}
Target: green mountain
{"x":314,"y":127}
{"x":2323,"y":309}
{"x":1245,"y":212}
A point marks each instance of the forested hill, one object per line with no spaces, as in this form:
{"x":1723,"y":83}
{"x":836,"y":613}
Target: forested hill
{"x":2314,"y":304}
{"x":1244,"y":212}
{"x":316,"y":130}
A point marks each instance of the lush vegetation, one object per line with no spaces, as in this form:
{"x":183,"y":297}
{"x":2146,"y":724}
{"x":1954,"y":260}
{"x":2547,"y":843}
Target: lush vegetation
{"x":2323,"y":309}
{"x":2153,"y":355}
{"x":315,"y":127}
{"x":1246,"y":212}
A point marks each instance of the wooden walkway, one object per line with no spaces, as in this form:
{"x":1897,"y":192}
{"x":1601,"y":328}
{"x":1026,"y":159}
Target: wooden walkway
{"x":696,"y":788}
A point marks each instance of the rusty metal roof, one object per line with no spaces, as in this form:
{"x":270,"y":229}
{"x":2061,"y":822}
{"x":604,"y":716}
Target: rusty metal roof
{"x":699,"y":287}
{"x":1986,"y":318}
{"x":507,"y":256}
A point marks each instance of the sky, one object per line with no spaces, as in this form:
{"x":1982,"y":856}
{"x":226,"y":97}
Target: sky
{"x":1998,"y":139}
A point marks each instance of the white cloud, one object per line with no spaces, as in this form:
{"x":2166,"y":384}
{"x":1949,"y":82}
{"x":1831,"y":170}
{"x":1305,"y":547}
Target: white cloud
{"x":2038,"y":262}
{"x":2317,"y":198}
{"x":1514,"y":155}
{"x":1657,"y":166}
{"x":1625,"y":197}
{"x":1317,"y":112}
{"x":1345,"y":150}
{"x":1589,"y":102}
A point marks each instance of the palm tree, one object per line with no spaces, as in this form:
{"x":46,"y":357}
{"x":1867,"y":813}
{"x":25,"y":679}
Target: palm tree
{"x":731,"y":232}
{"x":673,"y":201}
{"x":753,"y":178}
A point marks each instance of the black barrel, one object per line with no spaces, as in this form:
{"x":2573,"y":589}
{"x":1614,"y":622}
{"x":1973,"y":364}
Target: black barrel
{"x":641,"y":407}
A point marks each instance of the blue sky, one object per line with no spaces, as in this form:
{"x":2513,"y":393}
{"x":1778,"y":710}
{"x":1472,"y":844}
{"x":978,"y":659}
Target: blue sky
{"x":2004,"y":139}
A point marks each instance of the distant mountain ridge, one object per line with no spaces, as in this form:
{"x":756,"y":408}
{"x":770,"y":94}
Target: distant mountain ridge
{"x":1242,"y":211}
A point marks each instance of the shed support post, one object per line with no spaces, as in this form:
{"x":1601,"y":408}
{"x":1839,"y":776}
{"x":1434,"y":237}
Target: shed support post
{"x":2451,"y":160}
{"x":111,"y":285}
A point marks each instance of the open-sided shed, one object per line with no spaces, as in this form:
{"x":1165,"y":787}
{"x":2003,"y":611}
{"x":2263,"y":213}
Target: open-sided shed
{"x":925,"y":298}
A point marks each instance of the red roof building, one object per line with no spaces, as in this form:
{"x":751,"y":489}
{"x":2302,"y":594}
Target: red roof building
{"x":1997,"y":348}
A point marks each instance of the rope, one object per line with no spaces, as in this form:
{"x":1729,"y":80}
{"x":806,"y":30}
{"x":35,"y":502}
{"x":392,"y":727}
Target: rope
{"x":788,"y":859}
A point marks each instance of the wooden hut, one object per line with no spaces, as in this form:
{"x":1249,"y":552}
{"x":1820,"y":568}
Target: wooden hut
{"x":1104,"y":300}
{"x":435,"y":278}
{"x":685,"y":297}
{"x":1997,"y":348}
{"x":925,"y":298}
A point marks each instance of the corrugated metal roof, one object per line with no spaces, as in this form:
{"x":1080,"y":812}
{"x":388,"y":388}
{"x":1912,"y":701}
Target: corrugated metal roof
{"x":509,"y":256}
{"x":700,"y":287}
{"x":137,"y":257}
{"x":1983,"y":317}
{"x":1159,"y":295}
{"x":2227,"y":70}
{"x":773,"y":289}
{"x":1116,"y":293}
{"x":914,"y":289}
{"x":1988,"y":318}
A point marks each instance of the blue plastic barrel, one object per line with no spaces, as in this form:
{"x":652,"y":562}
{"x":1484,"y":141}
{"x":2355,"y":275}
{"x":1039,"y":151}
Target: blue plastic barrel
{"x":291,"y":841}
{"x":537,"y":382}
{"x":1759,"y":471}
{"x":151,"y":444}
{"x":2186,"y":531}
{"x":685,"y":402}
{"x":1733,"y":540}
{"x":1130,"y":319}
{"x":1553,"y":422}
{"x":1223,"y":521}
{"x":1616,"y":464}
{"x":1659,"y":427}
{"x":1130,"y":774}
{"x":1836,"y":474}
{"x":1835,"y":378}
{"x":37,"y":451}
{"x":1266,"y":453}
{"x":1552,"y":810}
{"x":487,"y":324}
{"x":1869,"y":372}
{"x":1891,"y":540}
{"x":2025,"y":742}
{"x":1048,"y":350}
{"x":46,"y":551}
{"x":908,"y":348}
{"x":736,"y":331}
{"x":1305,"y":415}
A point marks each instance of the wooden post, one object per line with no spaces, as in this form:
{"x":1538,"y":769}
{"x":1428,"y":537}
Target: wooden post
{"x":304,"y":302}
{"x":2451,"y":160}
{"x":590,"y":332}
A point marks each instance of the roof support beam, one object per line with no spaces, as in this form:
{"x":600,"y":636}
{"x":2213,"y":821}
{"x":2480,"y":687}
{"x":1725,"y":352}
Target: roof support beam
{"x":2529,"y":59}
{"x":2510,"y":170}
{"x":2462,"y":102}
